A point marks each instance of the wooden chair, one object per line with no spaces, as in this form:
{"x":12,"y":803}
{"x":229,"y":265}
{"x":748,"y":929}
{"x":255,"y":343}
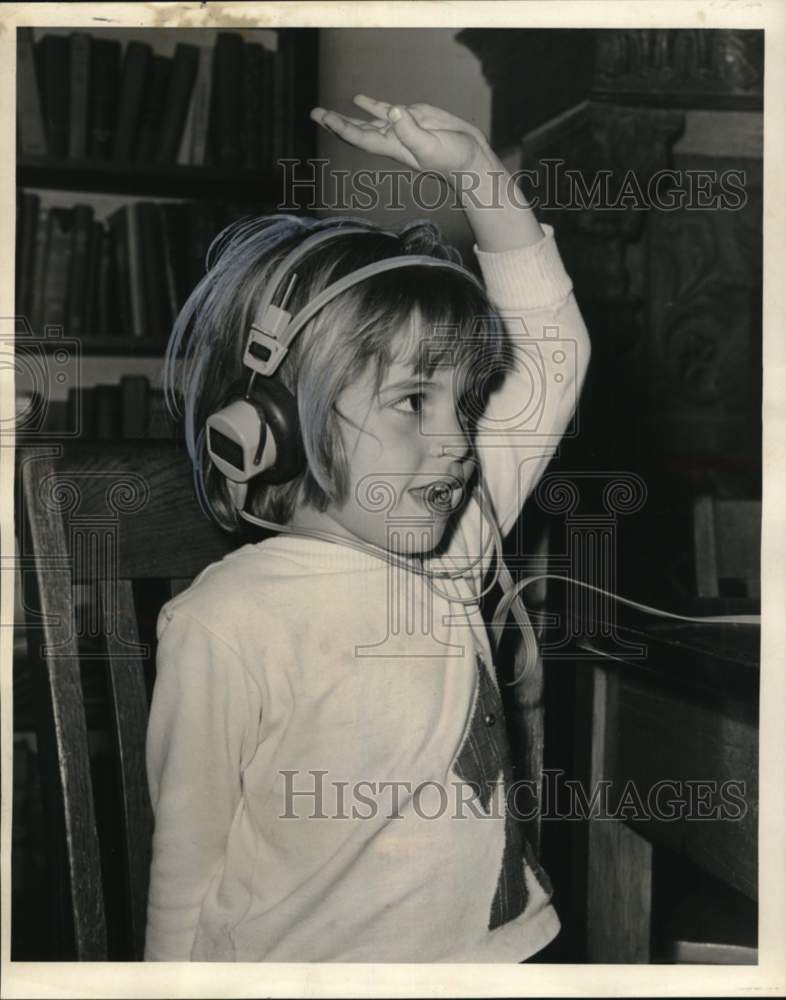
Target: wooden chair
{"x":106,"y":518}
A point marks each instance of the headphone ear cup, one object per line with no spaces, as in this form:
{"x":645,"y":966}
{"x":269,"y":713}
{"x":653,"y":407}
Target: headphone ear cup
{"x":279,"y":407}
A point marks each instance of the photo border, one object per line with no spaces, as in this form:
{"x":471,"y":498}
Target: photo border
{"x":18,"y":979}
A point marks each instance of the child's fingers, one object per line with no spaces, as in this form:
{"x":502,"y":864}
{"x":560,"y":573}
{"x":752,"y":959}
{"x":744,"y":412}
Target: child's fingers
{"x":429,"y":117}
{"x":378,"y":123}
{"x":318,"y":114}
{"x":426,"y":115}
{"x":371,"y":140}
{"x":412,"y":135}
{"x":346,"y":128}
{"x":372,"y":105}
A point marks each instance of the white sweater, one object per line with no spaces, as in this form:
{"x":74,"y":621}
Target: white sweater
{"x":301,"y":666}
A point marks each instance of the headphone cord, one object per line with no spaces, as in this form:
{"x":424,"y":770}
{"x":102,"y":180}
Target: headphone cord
{"x":414,"y":565}
{"x":373,"y":550}
{"x":508,"y":603}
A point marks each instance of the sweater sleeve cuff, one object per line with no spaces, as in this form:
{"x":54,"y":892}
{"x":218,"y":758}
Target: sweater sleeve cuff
{"x":528,"y":278}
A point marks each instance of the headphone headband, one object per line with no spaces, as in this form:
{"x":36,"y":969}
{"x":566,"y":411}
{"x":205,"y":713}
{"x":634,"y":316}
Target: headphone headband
{"x":315,"y":239}
{"x":274,"y":328}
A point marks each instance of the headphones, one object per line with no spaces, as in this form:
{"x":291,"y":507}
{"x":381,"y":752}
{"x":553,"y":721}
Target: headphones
{"x":256,"y":434}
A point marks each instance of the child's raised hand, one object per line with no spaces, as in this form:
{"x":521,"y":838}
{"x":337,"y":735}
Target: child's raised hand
{"x":418,"y":135}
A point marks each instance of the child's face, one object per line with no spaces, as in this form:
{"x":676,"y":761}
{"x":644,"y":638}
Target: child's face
{"x":401,"y":442}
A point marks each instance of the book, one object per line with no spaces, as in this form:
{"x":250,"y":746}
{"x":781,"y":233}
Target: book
{"x":59,"y":238}
{"x":78,"y":270}
{"x":134,"y":406}
{"x":94,"y":254}
{"x":183,"y":158}
{"x":227,"y":118}
{"x":173,"y":306}
{"x":178,"y":95}
{"x":152,"y":110}
{"x":27,"y":223}
{"x":253,"y":104}
{"x":136,"y":272}
{"x":157,"y":315}
{"x":81,"y":411}
{"x":160,"y":424}
{"x":109,"y":321}
{"x":266,"y":124}
{"x":136,"y":71}
{"x":177,"y":236}
{"x":39,"y":273}
{"x":29,"y":117}
{"x":132,"y":410}
{"x":123,"y":321}
{"x":201,"y":107}
{"x":52,"y":56}
{"x":104,"y":87}
{"x":205,"y":223}
{"x":107,"y":412}
{"x":79,"y":45}
{"x":279,"y":123}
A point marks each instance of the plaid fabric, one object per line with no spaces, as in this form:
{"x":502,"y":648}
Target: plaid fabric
{"x":484,"y":761}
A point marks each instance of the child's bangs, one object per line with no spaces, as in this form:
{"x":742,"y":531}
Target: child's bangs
{"x":449,"y":324}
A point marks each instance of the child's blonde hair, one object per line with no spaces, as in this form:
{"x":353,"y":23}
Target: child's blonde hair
{"x":384,"y":318}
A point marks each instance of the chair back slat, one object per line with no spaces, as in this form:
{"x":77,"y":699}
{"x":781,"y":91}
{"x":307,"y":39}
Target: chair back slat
{"x":101,"y":517}
{"x":61,"y":724}
{"x":130,"y":712}
{"x":145,"y":491}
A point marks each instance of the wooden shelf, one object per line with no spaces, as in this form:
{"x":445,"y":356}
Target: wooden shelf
{"x":110,"y":344}
{"x":151,"y":180}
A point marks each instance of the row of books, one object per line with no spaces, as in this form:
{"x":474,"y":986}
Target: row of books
{"x":128,"y":276}
{"x":84,"y":97}
{"x":131,"y":410}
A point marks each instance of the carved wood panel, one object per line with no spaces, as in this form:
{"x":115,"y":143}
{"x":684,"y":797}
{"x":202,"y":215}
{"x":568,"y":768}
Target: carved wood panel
{"x":704,"y":320}
{"x":686,"y":67}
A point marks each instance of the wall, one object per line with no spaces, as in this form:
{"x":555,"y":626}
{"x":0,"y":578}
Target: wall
{"x":403,"y":66}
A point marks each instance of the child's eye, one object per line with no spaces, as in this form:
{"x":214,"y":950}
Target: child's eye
{"x":411,"y":403}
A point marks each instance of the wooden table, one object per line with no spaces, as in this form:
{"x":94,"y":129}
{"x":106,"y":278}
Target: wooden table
{"x":687,"y":714}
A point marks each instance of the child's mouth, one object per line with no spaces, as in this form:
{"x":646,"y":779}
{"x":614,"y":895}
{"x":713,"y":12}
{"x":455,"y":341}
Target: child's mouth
{"x":441,"y":497}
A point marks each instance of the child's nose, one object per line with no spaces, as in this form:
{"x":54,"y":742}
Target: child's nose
{"x":448,"y":435}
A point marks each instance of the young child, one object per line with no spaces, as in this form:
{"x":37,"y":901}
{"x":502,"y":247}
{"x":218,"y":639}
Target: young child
{"x":326,"y":748}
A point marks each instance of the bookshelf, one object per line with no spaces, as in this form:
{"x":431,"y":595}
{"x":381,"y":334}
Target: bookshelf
{"x":114,"y":129}
{"x":109,"y":345}
{"x":135,"y":148}
{"x":148,"y":180}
